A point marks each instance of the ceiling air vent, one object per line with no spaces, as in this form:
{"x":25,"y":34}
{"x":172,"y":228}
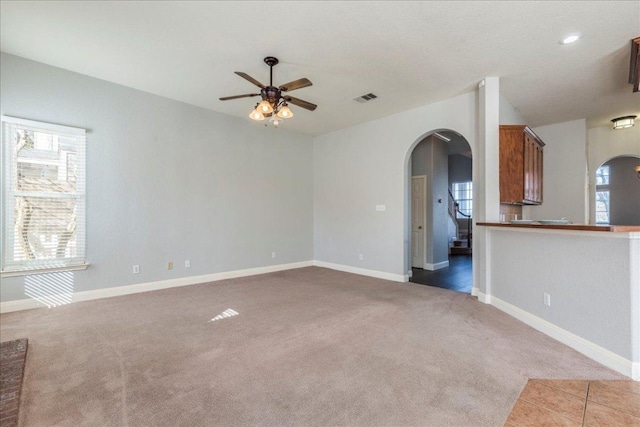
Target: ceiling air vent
{"x":365,"y":98}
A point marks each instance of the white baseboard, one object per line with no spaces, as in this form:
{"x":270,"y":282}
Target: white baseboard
{"x":475,"y":291}
{"x":26,"y":304}
{"x":589,"y":349}
{"x":19,"y":305}
{"x":363,"y":271}
{"x":436,"y":266}
{"x":482,"y":297}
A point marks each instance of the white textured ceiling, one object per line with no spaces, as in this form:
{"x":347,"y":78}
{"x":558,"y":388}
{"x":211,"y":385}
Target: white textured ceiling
{"x":408,"y":53}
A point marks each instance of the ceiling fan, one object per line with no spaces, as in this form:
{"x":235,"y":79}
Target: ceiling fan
{"x":273,"y":101}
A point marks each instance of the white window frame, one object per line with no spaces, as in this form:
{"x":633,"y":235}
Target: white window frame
{"x":456,"y":194}
{"x":11,"y":267}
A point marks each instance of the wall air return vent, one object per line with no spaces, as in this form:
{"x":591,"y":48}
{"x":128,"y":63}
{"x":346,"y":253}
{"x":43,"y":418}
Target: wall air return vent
{"x":365,"y":98}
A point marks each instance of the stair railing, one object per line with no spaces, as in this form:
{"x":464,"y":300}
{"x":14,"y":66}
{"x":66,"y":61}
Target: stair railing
{"x":454,"y":209}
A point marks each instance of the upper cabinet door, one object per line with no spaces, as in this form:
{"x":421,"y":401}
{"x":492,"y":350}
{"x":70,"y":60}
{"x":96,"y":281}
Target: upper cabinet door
{"x":520,"y":166}
{"x":533,"y":168}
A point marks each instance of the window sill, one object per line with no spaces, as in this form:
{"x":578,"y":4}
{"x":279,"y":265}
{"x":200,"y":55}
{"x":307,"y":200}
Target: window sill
{"x":44,"y":270}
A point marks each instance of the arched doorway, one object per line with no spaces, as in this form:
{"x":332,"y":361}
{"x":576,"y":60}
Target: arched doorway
{"x":617,"y":191}
{"x":439,"y":203}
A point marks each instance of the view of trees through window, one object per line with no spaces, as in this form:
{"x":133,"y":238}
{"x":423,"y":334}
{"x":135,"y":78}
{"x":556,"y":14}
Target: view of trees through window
{"x":44,"y":198}
{"x":602,"y":195}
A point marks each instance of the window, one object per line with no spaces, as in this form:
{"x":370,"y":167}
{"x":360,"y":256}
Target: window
{"x":43,"y":197}
{"x":602,"y":195}
{"x":463,"y":194}
{"x":602,"y":175}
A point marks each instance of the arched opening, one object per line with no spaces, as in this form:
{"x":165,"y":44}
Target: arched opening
{"x":617,"y":191}
{"x":439,"y":199}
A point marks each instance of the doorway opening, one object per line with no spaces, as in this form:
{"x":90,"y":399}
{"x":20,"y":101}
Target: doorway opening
{"x":617,"y":191}
{"x":441,"y":211}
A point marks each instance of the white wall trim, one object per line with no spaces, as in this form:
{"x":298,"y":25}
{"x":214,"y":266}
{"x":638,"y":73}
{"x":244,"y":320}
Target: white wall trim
{"x":632,"y":235}
{"x":363,"y":271}
{"x":25,"y":304}
{"x":475,"y":291}
{"x":482,"y":297}
{"x":589,"y":349}
{"x":19,"y":305}
{"x":44,"y":270}
{"x":436,"y":266}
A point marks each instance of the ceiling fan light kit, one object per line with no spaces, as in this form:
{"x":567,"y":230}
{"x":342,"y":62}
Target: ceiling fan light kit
{"x":284,"y":112}
{"x":256,"y":114}
{"x":274,"y":104}
{"x":265,"y":107}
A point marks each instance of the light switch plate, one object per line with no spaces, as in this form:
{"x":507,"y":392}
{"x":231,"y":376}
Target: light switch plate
{"x":381,"y":208}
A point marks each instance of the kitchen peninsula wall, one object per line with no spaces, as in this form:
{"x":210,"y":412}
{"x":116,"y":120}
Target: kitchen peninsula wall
{"x":594,"y":301}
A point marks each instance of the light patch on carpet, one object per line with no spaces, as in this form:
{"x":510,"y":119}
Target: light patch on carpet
{"x":229,"y":312}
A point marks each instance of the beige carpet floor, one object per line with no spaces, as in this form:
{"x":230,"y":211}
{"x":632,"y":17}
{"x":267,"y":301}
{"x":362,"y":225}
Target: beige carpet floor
{"x":308,"y":347}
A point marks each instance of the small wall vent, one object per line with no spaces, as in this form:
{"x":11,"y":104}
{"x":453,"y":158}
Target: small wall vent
{"x":365,"y":98}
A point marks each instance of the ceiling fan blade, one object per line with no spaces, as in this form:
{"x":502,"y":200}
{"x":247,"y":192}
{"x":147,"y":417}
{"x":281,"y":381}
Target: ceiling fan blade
{"x":248,"y":95}
{"x":300,"y":103}
{"x":249,"y":78}
{"x":296,"y":84}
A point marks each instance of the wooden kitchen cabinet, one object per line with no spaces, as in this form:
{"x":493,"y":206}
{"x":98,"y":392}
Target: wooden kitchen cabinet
{"x":521,"y":165}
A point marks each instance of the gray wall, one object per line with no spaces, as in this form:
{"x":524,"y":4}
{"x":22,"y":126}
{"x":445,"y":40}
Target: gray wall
{"x":565,"y":173}
{"x":589,"y":294}
{"x":508,"y":114}
{"x":167,"y":181}
{"x":624,"y":191}
{"x":430,"y":158}
{"x":439,"y":200}
{"x":459,"y":168}
{"x":421,"y":159}
{"x":368,"y":164}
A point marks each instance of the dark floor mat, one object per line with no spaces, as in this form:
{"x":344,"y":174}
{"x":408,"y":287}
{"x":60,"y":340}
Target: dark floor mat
{"x":13,"y":355}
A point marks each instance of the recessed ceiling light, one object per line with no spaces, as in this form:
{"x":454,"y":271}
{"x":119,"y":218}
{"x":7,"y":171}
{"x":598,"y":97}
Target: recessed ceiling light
{"x":570,"y":39}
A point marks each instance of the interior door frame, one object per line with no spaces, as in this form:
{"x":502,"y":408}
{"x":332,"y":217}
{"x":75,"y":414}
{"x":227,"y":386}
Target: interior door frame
{"x":423,"y":261}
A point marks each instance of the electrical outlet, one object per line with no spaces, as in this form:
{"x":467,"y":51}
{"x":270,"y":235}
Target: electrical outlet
{"x":136,"y":269}
{"x":547,"y":299}
{"x":361,"y":257}
{"x":273,"y":254}
{"x":170,"y":265}
{"x":187,"y":264}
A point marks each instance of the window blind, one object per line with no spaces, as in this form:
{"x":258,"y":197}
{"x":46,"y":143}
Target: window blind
{"x":43,"y":195}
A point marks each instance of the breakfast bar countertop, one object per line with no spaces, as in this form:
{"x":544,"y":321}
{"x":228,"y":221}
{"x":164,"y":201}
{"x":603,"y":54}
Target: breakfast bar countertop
{"x":575,"y":227}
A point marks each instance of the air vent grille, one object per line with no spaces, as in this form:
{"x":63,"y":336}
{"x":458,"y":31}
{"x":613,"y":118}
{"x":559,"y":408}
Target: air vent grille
{"x":365,"y":98}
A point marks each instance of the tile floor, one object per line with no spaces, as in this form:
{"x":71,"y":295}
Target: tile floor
{"x":577,"y":403}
